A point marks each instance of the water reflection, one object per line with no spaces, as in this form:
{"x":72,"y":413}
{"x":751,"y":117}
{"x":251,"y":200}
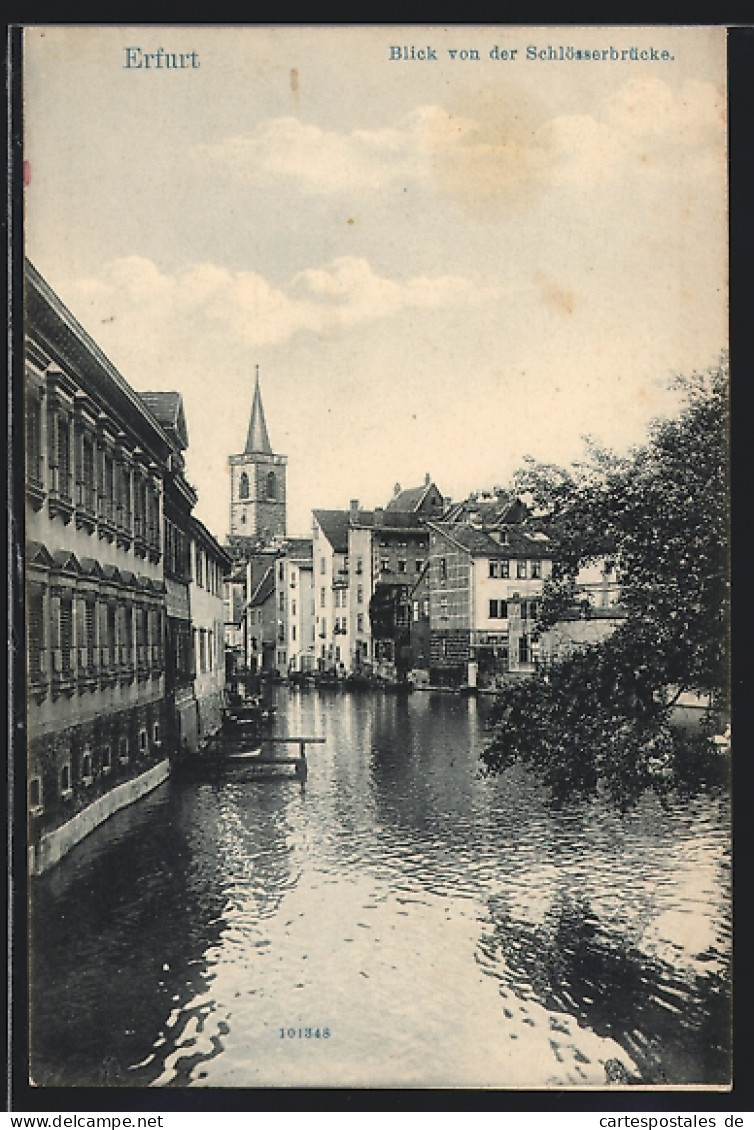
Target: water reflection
{"x":447,"y":929}
{"x":673,"y":1024}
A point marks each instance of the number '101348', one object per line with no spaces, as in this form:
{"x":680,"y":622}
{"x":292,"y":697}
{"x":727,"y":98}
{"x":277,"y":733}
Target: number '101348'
{"x":304,"y":1033}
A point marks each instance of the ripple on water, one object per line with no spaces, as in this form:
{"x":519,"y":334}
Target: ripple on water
{"x":446,"y":929}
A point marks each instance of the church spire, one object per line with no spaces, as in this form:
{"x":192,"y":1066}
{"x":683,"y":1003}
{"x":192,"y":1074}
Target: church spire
{"x":257,"y":439}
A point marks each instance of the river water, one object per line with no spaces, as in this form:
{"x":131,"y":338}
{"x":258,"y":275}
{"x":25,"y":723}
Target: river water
{"x":401,"y":920}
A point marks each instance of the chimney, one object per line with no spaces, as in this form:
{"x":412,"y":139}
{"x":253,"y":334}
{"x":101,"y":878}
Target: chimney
{"x":396,"y":490}
{"x":427,"y":479}
{"x":354,"y":507}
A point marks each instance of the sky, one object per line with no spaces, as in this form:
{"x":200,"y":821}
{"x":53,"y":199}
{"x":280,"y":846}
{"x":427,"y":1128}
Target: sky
{"x":440,"y":265}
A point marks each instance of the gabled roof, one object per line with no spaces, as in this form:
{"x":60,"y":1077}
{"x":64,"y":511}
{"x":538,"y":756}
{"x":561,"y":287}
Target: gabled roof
{"x":257,"y":438}
{"x":38,"y":554}
{"x":480,"y":543}
{"x":167,"y":409}
{"x":264,"y":590}
{"x":334,"y":525}
{"x":489,"y":510}
{"x":90,"y":567}
{"x":416,"y":498}
{"x":66,"y":561}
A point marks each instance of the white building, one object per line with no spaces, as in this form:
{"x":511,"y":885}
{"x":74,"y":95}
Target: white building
{"x":209,"y":566}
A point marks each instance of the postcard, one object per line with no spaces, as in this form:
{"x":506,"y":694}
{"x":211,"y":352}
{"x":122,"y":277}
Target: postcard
{"x":378,"y":726}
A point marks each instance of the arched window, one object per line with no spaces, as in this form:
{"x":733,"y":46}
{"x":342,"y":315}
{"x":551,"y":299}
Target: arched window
{"x":272,"y":486}
{"x":243,"y":486}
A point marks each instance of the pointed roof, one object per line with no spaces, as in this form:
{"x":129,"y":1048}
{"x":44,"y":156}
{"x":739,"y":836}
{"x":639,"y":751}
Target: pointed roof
{"x":257,"y":439}
{"x":416,"y":499}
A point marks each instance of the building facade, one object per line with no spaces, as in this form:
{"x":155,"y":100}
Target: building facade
{"x":97,"y":462}
{"x":112,"y":684}
{"x":209,"y":566}
{"x":484,"y":583}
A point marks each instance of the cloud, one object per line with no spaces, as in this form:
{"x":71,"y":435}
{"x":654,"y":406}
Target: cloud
{"x":344,"y":292}
{"x":485,"y":152}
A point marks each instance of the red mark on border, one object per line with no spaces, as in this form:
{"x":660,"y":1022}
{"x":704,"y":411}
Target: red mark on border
{"x":27,"y":173}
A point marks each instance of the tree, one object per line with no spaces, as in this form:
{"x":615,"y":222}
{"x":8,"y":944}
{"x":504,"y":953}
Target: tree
{"x":662,"y":515}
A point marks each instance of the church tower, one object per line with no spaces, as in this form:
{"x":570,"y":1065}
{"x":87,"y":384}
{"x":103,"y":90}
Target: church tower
{"x":257,"y":484}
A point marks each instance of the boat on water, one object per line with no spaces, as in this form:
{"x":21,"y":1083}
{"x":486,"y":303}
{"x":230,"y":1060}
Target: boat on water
{"x":245,"y":712}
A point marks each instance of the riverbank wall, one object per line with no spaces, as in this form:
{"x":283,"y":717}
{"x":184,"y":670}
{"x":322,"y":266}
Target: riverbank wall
{"x":54,"y":845}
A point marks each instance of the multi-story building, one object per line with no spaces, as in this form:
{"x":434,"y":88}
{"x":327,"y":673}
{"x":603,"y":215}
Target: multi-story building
{"x":483,"y":587}
{"x":210,"y":564}
{"x":294,"y":607}
{"x":330,"y":570}
{"x":262,"y":627}
{"x":98,"y":465}
{"x":116,"y":567}
{"x":365,"y":565}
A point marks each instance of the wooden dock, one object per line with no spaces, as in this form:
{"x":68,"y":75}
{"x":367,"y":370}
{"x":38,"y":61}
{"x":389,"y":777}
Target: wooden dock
{"x":260,"y":762}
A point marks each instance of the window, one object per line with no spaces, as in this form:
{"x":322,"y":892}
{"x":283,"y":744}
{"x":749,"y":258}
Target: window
{"x":443,"y":569}
{"x":243,"y":485}
{"x":156,"y":734}
{"x":86,"y":768}
{"x":494,"y":570}
{"x":34,"y":439}
{"x":322,"y":597}
{"x":293,"y":608}
{"x":521,"y":569}
{"x":35,"y":794}
{"x":359,"y":565}
{"x":199,"y":567}
{"x":536,"y":569}
{"x":360,"y":594}
{"x":444,"y":608}
{"x":35,"y":632}
{"x":385,"y":564}
{"x":293,"y":632}
{"x":64,"y":457}
{"x":416,"y":610}
{"x":142,"y":741}
{"x":66,"y":632}
{"x":281,"y":571}
{"x":281,"y":602}
{"x":360,"y":622}
{"x":107,"y":759}
{"x":419,"y":565}
{"x":123,"y":751}
{"x":401,"y":566}
{"x":65,"y":780}
{"x":272,"y":486}
{"x":323,"y":565}
{"x":493,"y":609}
{"x":523,"y":649}
{"x":505,"y":568}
